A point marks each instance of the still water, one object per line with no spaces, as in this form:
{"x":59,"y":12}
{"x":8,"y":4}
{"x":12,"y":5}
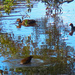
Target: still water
{"x":48,"y":41}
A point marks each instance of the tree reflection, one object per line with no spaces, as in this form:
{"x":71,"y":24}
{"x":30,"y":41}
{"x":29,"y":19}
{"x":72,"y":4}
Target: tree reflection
{"x":54,"y":51}
{"x":44,"y":43}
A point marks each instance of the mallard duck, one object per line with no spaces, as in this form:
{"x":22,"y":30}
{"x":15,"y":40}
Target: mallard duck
{"x":26,"y":60}
{"x":26,"y":22}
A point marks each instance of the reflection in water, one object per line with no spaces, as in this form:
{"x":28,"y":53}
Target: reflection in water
{"x":19,"y":26}
{"x":44,"y":42}
{"x":55,"y":52}
{"x":71,"y":33}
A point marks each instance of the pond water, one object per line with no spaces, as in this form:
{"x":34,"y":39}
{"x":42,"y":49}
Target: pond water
{"x":48,"y":41}
{"x":68,"y":17}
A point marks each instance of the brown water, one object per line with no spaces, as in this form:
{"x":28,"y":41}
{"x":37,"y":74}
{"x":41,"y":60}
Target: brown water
{"x":48,"y":41}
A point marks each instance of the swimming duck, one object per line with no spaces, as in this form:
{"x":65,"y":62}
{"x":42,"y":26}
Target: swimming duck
{"x":72,"y":27}
{"x":26,"y":60}
{"x":26,"y":22}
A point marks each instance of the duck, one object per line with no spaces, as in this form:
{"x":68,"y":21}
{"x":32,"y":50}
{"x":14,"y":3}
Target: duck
{"x":26,"y":60}
{"x":26,"y":22}
{"x":72,"y":27}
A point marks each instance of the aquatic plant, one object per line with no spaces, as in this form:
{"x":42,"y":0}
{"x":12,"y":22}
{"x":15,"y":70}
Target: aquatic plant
{"x":8,"y":5}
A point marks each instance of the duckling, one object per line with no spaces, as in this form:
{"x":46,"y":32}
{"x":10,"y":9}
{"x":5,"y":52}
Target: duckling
{"x":26,"y":60}
{"x":26,"y":22}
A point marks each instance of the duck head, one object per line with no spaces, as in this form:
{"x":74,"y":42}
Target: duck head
{"x":19,"y":20}
{"x":71,"y":24}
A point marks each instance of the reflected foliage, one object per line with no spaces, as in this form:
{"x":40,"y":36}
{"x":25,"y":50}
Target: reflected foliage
{"x":8,"y":5}
{"x":46,"y":43}
{"x":53,"y":70}
{"x":10,"y":47}
{"x":55,"y":52}
{"x":44,"y":70}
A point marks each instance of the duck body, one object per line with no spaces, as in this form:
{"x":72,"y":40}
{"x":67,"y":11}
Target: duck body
{"x":26,"y":60}
{"x":26,"y":22}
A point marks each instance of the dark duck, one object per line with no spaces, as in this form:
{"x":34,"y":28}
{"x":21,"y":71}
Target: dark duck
{"x":26,"y":60}
{"x":26,"y":22}
{"x":72,"y":29}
